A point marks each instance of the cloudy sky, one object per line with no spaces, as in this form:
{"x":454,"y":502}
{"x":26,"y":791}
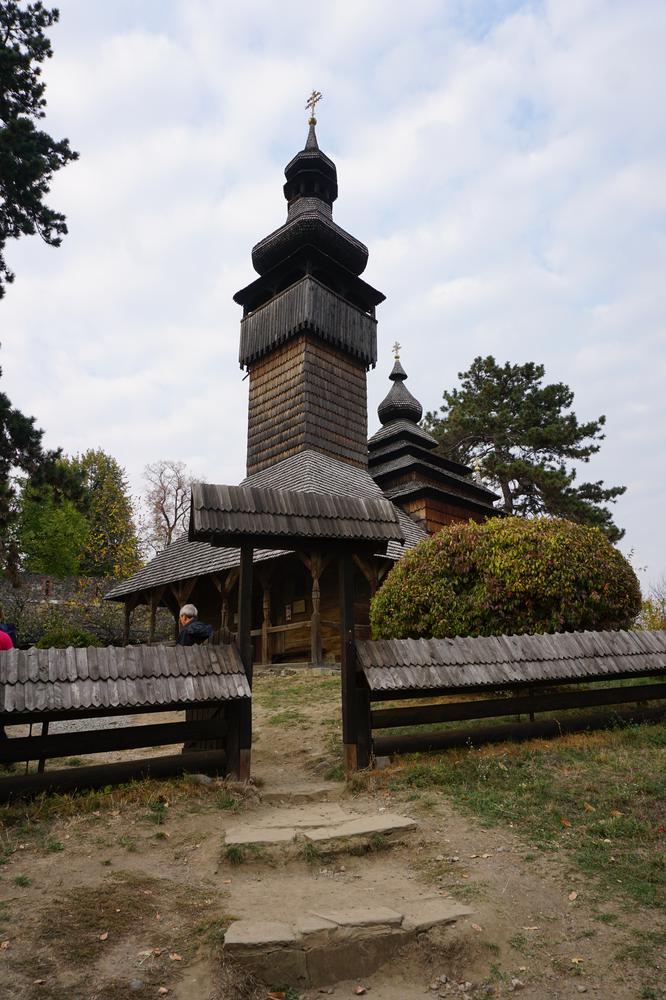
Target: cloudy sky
{"x":503,"y":161}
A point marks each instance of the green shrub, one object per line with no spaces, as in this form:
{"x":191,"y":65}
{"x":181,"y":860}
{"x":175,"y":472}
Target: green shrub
{"x":507,"y":576}
{"x":67,"y":635}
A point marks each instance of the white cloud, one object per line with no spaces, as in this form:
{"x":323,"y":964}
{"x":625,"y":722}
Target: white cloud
{"x":502,"y":160}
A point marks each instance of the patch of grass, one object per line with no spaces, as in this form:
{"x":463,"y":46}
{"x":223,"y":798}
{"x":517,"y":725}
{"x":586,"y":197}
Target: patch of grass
{"x":157,"y":811}
{"x":127,"y":842}
{"x":599,"y":796}
{"x":73,"y":762}
{"x":54,"y":845}
{"x":606,"y":918}
{"x":234,"y":854}
{"x":645,"y":949}
{"x":23,"y":881}
{"x":311,"y":853}
{"x":279,"y":693}
{"x":290,"y":717}
{"x":225,"y":800}
{"x":378,"y":842}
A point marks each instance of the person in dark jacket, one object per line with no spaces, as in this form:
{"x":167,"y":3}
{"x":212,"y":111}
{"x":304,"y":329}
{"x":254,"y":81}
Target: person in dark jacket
{"x":192,"y":631}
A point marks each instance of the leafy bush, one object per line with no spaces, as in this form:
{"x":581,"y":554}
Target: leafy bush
{"x":67,"y":635}
{"x":508,"y":575}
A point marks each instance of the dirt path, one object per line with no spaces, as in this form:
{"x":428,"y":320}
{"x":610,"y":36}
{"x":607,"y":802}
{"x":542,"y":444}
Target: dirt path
{"x":125,"y":901}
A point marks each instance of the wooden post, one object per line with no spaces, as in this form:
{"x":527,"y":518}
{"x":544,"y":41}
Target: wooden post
{"x":42,"y":760}
{"x":315,"y":621}
{"x":245,"y":649}
{"x":126,"y":622}
{"x":348,"y":663}
{"x":266,"y":624}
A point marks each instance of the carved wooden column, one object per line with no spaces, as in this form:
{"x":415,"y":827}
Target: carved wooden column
{"x":245,"y":649}
{"x":315,"y":621}
{"x":266,"y":623}
{"x":155,"y":598}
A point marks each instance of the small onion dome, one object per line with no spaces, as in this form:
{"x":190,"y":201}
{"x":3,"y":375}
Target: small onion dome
{"x":311,"y":173}
{"x":399,"y":404}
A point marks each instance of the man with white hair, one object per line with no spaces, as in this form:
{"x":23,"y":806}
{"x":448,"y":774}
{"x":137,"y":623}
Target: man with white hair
{"x":192,"y":631}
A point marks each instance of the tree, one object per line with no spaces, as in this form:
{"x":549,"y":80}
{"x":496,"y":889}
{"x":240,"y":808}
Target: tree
{"x":520,"y":434}
{"x":52,"y":533}
{"x":167,"y":500}
{"x":112,"y":547}
{"x":653,"y":611}
{"x":20,"y":449}
{"x":28,"y":156}
{"x":508,"y":575}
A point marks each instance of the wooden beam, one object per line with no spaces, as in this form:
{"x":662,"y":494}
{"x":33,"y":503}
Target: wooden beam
{"x":491,"y":708}
{"x":99,"y":775}
{"x":105,"y":740}
{"x":424,"y":742}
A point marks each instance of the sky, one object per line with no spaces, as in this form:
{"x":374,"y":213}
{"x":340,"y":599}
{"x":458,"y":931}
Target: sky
{"x":504,"y":162}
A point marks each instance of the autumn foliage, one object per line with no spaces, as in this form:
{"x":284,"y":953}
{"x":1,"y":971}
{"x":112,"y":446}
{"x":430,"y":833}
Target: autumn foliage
{"x":507,"y":576}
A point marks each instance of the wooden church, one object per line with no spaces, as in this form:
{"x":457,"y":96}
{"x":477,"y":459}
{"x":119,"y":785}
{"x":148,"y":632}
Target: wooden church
{"x":308,"y":338}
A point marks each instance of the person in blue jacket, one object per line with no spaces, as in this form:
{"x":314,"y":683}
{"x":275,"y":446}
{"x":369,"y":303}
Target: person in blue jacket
{"x":192,"y":631}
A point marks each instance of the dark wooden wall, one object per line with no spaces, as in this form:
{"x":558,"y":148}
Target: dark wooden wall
{"x":307,"y":394}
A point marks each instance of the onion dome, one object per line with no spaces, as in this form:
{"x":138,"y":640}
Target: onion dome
{"x":399,"y":404}
{"x":310,"y":189}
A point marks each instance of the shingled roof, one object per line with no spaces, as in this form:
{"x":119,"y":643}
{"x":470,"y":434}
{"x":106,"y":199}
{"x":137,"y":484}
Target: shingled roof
{"x":132,"y":677}
{"x":310,"y":471}
{"x":262,"y":513}
{"x":495,"y":661}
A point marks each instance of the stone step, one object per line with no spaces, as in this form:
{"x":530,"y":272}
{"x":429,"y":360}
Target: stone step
{"x":326,"y":825}
{"x":324,"y":946}
{"x":324,"y":791}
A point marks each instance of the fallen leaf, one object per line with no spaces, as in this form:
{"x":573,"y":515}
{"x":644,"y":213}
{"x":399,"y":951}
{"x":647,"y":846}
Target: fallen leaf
{"x":158,"y":916}
{"x":104,"y":935}
{"x":163,"y":991}
{"x":535,"y":928}
{"x":616,"y":813}
{"x":360,"y":990}
{"x":474,"y":855}
{"x":147,"y":892}
{"x":4,"y":946}
{"x":564,"y":821}
{"x":157,"y":951}
{"x":175,"y":957}
{"x":572,"y":896}
{"x":476,"y":927}
{"x":226,"y":881}
{"x":275,"y":995}
{"x":38,"y":982}
{"x":588,"y":808}
{"x":576,"y":960}
{"x":486,"y":855}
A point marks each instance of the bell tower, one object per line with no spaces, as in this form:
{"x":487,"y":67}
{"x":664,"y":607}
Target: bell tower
{"x":309,"y":332}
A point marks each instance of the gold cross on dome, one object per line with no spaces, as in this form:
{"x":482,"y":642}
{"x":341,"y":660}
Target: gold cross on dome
{"x":311,"y":103}
{"x":396,"y":351}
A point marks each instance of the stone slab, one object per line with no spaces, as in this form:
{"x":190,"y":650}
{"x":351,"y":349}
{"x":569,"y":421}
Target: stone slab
{"x":258,"y":934}
{"x":362,"y":916}
{"x":260,"y":835}
{"x":361,"y":826}
{"x":320,"y":792}
{"x":313,"y":924}
{"x":421,"y":915}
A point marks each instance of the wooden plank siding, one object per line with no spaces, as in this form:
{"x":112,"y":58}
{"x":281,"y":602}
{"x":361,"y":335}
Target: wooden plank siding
{"x":306,"y":394}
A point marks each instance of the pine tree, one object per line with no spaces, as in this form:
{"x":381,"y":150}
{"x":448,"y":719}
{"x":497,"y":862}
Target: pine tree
{"x":28,"y":156}
{"x":520,"y":435}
